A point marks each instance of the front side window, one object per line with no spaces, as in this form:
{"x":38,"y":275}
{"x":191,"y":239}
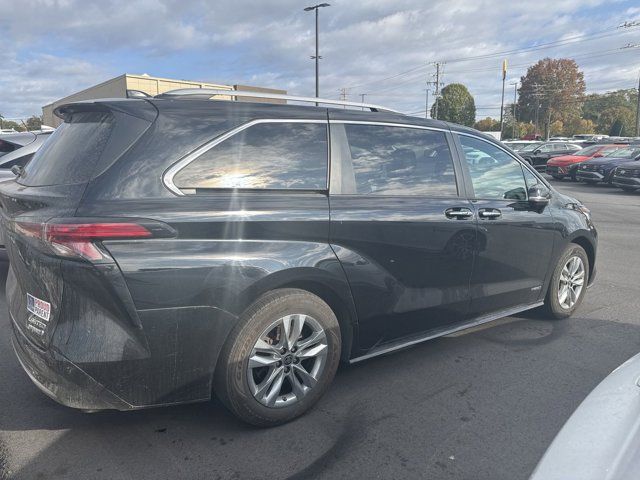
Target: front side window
{"x":389,"y":160}
{"x":273,"y":155}
{"x":546,"y":148}
{"x":494,"y":173}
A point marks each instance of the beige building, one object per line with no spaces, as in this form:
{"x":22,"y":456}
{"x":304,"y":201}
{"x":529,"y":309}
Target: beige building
{"x":117,"y":88}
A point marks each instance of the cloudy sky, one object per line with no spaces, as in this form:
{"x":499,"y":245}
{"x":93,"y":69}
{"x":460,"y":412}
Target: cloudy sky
{"x":383,"y":48}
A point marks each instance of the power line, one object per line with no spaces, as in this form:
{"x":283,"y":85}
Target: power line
{"x":419,"y":78}
{"x":568,"y":40}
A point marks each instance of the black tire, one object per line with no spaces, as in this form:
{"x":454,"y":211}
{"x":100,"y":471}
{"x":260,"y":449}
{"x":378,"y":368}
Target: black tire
{"x":557,"y":177}
{"x":231,"y":381}
{"x":628,"y":189}
{"x":552,"y":307}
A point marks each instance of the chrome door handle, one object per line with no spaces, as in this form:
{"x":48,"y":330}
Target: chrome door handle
{"x":489,"y":213}
{"x":458,"y":213}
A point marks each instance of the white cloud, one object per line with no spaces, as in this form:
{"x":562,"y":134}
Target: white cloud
{"x":269,"y":43}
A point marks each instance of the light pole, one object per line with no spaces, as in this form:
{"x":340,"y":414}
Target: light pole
{"x":515,"y":93}
{"x":504,"y":77}
{"x":317,"y":56}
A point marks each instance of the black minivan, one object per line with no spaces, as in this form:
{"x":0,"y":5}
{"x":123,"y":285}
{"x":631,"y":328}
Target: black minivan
{"x":164,"y":250}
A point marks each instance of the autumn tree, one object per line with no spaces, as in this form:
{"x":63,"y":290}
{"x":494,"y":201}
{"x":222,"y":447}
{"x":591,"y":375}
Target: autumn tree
{"x":597,"y":103}
{"x":456,"y":105}
{"x":487,"y":125}
{"x":577,"y":125}
{"x":554,"y":88}
{"x":34,"y":123}
{"x":623,"y":117}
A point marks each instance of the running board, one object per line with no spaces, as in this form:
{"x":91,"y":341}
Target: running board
{"x":390,"y":347}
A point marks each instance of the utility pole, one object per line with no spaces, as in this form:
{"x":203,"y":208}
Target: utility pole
{"x":504,"y":77}
{"x":317,"y":56}
{"x":548,"y":123}
{"x":515,"y":119}
{"x":426,"y":105}
{"x":437,"y":92}
{"x":343,"y":96}
{"x":638,"y":111}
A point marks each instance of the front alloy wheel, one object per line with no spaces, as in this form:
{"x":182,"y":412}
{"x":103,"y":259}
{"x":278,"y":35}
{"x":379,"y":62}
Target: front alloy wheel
{"x":568,"y":283}
{"x":571,"y":282}
{"x":287,"y":360}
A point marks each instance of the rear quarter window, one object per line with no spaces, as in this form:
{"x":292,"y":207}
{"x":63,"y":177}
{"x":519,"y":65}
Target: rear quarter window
{"x":276,"y":156}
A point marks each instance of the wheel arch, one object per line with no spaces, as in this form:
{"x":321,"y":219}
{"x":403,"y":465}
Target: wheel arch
{"x":332,"y":289}
{"x":590,"y":249}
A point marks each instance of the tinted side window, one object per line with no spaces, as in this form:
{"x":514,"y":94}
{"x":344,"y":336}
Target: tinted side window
{"x":263,"y":156}
{"x":400,"y":161}
{"x":494,"y":173}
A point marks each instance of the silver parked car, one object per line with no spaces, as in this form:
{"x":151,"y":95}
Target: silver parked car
{"x":601,"y":440}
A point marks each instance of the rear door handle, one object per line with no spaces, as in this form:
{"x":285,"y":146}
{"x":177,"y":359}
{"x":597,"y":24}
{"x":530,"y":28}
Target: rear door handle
{"x":459,"y":213}
{"x":489,"y":213}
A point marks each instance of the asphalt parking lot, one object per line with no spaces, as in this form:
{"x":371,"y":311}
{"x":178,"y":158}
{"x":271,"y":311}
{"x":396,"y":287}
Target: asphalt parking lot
{"x":483,"y":404}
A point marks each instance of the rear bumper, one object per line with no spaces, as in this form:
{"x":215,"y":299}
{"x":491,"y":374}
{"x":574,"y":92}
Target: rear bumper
{"x":61,"y":380}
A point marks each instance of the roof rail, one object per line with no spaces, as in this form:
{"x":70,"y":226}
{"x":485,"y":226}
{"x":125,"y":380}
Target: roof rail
{"x":207,"y":93}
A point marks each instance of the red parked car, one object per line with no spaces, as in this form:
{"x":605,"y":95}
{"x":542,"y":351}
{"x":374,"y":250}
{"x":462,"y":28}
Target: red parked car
{"x":567,"y":165}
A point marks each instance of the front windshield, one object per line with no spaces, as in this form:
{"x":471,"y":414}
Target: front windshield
{"x":627,"y":152}
{"x":588,"y":151}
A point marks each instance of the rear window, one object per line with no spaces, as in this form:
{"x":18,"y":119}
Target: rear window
{"x":6,"y":147}
{"x":71,"y":153}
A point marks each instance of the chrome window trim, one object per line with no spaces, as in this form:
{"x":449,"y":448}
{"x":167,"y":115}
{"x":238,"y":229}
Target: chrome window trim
{"x":167,"y":176}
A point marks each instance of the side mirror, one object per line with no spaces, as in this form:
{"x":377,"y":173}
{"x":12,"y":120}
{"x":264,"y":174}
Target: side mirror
{"x":539,"y":195}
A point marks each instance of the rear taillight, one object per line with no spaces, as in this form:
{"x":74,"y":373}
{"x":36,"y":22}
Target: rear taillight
{"x":81,"y":239}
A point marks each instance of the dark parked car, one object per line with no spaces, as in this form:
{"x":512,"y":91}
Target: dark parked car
{"x":542,"y":153}
{"x":601,"y":169}
{"x":166,"y":249}
{"x":627,"y":176}
{"x":567,"y":165}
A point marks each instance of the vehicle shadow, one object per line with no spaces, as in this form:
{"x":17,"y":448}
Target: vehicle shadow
{"x":494,"y":393}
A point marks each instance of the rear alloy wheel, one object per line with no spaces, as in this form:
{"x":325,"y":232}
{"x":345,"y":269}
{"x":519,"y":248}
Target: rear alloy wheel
{"x":280,"y":358}
{"x":287,"y":360}
{"x":568,"y":283}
